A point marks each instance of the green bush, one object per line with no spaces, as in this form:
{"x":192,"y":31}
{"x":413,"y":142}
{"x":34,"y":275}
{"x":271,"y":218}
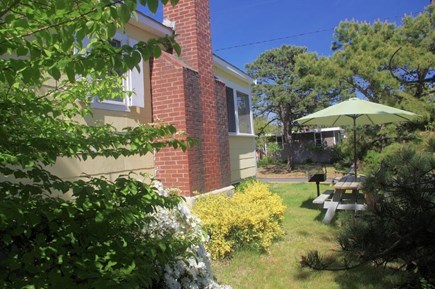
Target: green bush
{"x":92,"y":235}
{"x":398,"y":231}
{"x":251,"y":218}
{"x":96,"y":240}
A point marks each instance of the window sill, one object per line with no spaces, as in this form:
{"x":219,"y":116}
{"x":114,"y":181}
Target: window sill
{"x":111,"y":106}
{"x":242,"y":134}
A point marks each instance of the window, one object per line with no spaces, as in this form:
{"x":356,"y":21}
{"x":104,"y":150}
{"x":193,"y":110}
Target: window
{"x":318,"y":139}
{"x":231,"y":110}
{"x":244,"y":112}
{"x":132,"y":80}
{"x":239,"y":111}
{"x":119,"y":99}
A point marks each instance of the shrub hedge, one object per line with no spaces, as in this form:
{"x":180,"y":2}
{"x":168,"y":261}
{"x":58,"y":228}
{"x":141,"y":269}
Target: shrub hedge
{"x":250,"y":218}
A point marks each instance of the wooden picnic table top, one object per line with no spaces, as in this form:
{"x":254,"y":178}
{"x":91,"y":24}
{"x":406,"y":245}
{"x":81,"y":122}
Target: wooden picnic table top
{"x":349,"y":182}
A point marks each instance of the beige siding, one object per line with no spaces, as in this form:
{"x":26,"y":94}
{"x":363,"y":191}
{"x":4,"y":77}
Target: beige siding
{"x":69,"y":169}
{"x":242,"y":147}
{"x":242,"y":154}
{"x":109,"y":167}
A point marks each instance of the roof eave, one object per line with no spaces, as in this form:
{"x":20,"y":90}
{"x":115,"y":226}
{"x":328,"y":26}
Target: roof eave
{"x":147,"y":23}
{"x":233,"y":70}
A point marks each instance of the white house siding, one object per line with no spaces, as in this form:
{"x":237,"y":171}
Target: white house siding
{"x":243,"y":159}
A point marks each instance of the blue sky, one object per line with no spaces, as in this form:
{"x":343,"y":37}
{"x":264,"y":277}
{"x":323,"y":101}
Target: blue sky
{"x":308,"y":23}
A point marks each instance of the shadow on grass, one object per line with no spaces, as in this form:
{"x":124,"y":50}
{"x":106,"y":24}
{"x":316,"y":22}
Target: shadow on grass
{"x":367,"y":277}
{"x":361,"y":277}
{"x":308,"y":204}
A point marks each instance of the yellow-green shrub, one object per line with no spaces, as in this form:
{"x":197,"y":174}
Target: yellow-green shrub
{"x":250,"y":218}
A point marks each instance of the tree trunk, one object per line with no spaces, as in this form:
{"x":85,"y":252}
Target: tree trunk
{"x":290,"y":162}
{"x":288,"y":144}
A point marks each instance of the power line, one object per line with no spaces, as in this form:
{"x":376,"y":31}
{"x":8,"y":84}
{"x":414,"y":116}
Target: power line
{"x":294,"y":35}
{"x":274,"y":39}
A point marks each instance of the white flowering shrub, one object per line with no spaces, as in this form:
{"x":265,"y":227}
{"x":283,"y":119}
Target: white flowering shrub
{"x":192,"y":271}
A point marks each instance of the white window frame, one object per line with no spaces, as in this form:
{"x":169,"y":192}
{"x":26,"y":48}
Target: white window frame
{"x":246,"y":90}
{"x":133,"y":80}
{"x":321,"y":138}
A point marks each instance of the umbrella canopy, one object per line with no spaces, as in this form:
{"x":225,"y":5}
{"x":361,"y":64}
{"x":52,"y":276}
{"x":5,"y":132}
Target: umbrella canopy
{"x":355,"y":112}
{"x":364,"y":112}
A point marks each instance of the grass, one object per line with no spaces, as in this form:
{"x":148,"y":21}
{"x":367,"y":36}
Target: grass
{"x":280,"y":267}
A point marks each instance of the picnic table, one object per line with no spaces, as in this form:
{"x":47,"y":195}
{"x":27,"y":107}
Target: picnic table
{"x":340,"y":199}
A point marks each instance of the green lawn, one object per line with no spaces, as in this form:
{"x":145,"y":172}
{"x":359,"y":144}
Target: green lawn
{"x":280,"y":267}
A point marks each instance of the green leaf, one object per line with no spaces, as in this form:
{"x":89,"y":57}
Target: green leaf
{"x":22,"y":50}
{"x":156,"y":51}
{"x":21,"y":23}
{"x":60,"y":4}
{"x":177,"y":48}
{"x":162,"y":246}
{"x":90,"y":25}
{"x":153,"y":5}
{"x":3,"y":49}
{"x":136,"y":57}
{"x":99,"y":217}
{"x":30,"y":74}
{"x":55,"y":73}
{"x":124,"y":13}
{"x":146,"y":53}
{"x":70,"y":74}
{"x":111,"y":30}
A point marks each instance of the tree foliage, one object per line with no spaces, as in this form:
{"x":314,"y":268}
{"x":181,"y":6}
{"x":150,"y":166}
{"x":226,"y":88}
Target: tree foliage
{"x":280,"y":95}
{"x":47,"y":80}
{"x":398,"y":232}
{"x":385,"y":63}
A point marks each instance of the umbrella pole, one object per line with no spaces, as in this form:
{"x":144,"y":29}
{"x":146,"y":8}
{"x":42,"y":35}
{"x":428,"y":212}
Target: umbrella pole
{"x":354,"y":146}
{"x":354,"y":156}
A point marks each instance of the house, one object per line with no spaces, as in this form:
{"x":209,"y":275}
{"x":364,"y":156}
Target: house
{"x":310,"y":145}
{"x":315,"y":144}
{"x":198,"y":92}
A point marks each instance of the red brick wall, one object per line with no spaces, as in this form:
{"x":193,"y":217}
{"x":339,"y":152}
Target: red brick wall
{"x":222,"y":129}
{"x":194,"y":116}
{"x":168,"y":104}
{"x":192,"y":28}
{"x":193,"y":102}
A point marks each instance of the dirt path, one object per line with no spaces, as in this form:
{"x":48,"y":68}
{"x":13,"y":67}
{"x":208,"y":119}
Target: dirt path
{"x":280,"y":171}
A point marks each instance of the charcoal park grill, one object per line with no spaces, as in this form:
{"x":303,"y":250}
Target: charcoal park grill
{"x":317,"y":176}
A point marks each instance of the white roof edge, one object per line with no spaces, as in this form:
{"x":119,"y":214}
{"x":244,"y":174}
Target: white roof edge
{"x":323,"y":129}
{"x":149,"y":24}
{"x":231,"y":68}
{"x":336,"y":128}
{"x":331,"y":128}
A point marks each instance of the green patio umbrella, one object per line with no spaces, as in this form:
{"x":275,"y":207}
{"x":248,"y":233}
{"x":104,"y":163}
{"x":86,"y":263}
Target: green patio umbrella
{"x":355,"y":112}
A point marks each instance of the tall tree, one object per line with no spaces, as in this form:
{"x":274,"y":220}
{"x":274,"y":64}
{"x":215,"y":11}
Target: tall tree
{"x":280,"y":95}
{"x":97,"y":238}
{"x":384,"y":62}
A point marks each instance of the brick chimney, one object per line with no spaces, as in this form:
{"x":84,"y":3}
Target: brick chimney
{"x":195,"y":102}
{"x":191,"y":19}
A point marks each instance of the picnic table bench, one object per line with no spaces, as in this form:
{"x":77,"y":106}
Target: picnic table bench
{"x":338,"y":199}
{"x":323,"y":197}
